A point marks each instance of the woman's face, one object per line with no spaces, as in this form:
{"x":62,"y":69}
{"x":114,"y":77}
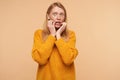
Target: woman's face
{"x":57,"y":15}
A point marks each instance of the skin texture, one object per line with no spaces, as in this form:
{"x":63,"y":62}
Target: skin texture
{"x":56,"y":24}
{"x":55,"y":55}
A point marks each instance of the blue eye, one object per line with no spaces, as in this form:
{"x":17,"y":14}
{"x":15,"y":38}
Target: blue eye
{"x":54,"y":14}
{"x":62,"y":14}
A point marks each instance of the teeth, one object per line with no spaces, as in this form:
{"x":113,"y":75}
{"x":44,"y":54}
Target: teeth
{"x":58,"y":22}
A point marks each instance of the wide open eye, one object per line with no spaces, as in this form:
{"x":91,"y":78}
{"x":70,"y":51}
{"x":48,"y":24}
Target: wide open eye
{"x":54,"y":14}
{"x":62,"y":14}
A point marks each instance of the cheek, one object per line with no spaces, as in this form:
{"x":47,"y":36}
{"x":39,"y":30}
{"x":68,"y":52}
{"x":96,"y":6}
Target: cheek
{"x":53,"y":17}
{"x":63,"y":19}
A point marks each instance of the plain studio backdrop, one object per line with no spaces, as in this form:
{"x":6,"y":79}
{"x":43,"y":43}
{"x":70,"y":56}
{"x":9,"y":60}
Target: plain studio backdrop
{"x":95,"y":22}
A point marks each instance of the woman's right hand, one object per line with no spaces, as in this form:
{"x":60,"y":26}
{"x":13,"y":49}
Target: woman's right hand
{"x":51,"y":27}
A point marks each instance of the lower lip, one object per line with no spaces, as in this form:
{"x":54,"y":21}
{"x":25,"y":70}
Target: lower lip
{"x":57,"y":23}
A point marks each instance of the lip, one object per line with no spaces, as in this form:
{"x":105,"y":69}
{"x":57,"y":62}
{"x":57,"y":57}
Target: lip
{"x":58,"y":23}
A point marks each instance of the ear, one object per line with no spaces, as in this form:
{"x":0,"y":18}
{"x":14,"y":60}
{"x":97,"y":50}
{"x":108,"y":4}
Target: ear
{"x":48,"y":17}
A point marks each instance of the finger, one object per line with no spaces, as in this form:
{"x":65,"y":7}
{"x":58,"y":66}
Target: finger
{"x":54,"y":23}
{"x":50,"y":22}
{"x":64,"y":23}
{"x":64,"y":26}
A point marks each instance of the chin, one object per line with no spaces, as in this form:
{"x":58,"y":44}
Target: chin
{"x":57,"y":27}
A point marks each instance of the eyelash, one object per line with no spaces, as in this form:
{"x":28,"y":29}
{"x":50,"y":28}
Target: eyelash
{"x":56,"y":14}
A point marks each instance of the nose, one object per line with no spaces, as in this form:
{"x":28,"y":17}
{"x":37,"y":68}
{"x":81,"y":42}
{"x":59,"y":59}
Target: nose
{"x":58,"y":17}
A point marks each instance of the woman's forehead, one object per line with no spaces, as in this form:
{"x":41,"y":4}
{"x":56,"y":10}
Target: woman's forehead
{"x":57,"y":9}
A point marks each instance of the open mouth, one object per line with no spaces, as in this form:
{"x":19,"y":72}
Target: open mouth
{"x":58,"y":23}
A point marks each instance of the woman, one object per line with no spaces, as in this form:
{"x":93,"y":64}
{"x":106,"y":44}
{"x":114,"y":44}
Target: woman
{"x":54,"y":46}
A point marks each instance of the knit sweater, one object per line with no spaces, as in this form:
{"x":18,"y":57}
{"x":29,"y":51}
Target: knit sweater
{"x":55,"y":58}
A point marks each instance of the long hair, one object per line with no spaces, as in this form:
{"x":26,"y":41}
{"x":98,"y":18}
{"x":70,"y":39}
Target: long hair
{"x":46,"y":31}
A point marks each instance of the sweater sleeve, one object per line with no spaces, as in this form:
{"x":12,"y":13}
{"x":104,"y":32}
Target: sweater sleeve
{"x":42,"y":49}
{"x":67,"y":49}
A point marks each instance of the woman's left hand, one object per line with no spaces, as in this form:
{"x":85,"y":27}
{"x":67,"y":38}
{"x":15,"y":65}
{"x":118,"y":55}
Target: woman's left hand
{"x":60,"y":30}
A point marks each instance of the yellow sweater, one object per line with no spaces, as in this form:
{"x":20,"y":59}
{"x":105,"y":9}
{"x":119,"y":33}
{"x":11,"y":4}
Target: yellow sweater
{"x":54,"y":57}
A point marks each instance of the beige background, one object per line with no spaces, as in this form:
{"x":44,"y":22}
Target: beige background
{"x":97,"y":27}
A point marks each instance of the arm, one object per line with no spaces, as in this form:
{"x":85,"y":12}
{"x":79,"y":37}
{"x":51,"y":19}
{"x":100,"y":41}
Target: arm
{"x":42,"y":50}
{"x":67,"y":49}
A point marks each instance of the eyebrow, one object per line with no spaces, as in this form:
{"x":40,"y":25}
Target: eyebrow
{"x":60,"y":12}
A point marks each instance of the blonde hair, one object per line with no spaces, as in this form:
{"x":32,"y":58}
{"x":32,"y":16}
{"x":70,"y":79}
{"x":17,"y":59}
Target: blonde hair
{"x":46,"y":31}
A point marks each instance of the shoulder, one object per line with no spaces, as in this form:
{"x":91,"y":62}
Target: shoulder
{"x":71,"y":32}
{"x":38,"y":31}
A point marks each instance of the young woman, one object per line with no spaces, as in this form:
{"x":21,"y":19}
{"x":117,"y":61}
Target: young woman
{"x":54,"y":46}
